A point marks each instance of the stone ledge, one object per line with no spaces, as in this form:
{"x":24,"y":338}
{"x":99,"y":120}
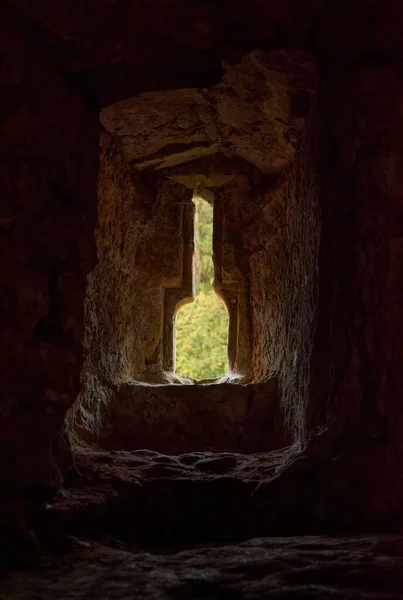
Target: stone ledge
{"x":173,"y":419}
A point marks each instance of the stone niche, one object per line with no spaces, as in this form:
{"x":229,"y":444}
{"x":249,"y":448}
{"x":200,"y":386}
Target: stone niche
{"x":242,"y":146}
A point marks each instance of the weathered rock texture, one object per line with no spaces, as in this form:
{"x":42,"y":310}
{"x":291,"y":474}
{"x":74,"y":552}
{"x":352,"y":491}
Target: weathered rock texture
{"x":359,"y":342}
{"x":288,"y":568}
{"x":140,"y":252}
{"x":280,"y":236}
{"x":242,"y":139}
{"x":255,"y":113}
{"x":152,"y":500}
{"x":48,"y":165}
{"x":61,"y":64}
{"x":172,"y":419}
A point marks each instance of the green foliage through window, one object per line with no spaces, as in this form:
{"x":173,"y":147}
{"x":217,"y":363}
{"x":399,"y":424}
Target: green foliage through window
{"x":202,"y":326}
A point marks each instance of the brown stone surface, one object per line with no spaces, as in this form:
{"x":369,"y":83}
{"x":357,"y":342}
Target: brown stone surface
{"x":140,"y":253}
{"x":256,"y":113}
{"x":305,"y":568}
{"x":63,"y":62}
{"x":152,"y":499}
{"x":279,"y":235}
{"x":177,"y":418}
{"x":253,"y":121}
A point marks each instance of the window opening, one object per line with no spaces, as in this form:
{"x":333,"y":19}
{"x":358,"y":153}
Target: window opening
{"x":202,"y":326}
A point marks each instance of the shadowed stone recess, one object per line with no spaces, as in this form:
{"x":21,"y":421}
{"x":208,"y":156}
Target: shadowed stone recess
{"x":287,"y":116}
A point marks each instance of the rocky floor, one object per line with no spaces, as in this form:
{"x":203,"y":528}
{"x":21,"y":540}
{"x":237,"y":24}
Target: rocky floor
{"x":361,"y":568}
{"x":143,"y":525}
{"x":154,"y":498}
{"x":172,"y":501}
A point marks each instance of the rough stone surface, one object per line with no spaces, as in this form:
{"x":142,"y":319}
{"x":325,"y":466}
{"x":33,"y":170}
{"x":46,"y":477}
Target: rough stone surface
{"x":358,"y":341}
{"x":177,"y":418}
{"x":280,"y":235}
{"x":254,"y":121}
{"x":63,"y":62}
{"x":121,"y":49}
{"x":256,"y":113}
{"x":361,"y":568}
{"x":140,"y":253}
{"x":48,"y":165}
{"x":150,"y":498}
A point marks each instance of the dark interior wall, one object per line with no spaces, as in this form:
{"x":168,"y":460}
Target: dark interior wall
{"x":359,"y":337}
{"x":356,"y":373}
{"x":356,"y":377}
{"x":48,"y":154}
{"x":48,"y":169}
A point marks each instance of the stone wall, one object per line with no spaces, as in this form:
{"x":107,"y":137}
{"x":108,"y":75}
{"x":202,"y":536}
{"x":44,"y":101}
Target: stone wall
{"x":48,"y":167}
{"x":244,"y":139}
{"x":140,"y":244}
{"x":359,"y":337}
{"x":173,"y":419}
{"x":355,"y":402}
{"x":232,"y":210}
{"x":356,"y":375}
{"x":58,"y":65}
{"x":283,"y":253}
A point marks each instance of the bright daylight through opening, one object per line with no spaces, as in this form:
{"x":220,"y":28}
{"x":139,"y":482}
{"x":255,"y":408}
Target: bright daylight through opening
{"x":202,"y":326}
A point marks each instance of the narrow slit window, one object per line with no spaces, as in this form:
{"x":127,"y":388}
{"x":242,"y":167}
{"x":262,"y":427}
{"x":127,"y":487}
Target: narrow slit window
{"x":202,"y":326}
